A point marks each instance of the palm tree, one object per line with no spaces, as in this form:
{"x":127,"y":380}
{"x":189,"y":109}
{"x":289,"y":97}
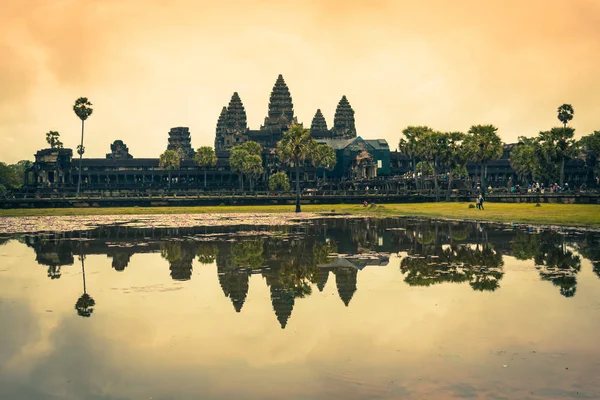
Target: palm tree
{"x":411,"y":146}
{"x":565,"y":114}
{"x":83,"y":109}
{"x":246,"y":159}
{"x":205,"y":157}
{"x":324,"y":157}
{"x":85,"y":304}
{"x":170,"y":161}
{"x":558,"y":145}
{"x":295,"y":146}
{"x":482,"y":145}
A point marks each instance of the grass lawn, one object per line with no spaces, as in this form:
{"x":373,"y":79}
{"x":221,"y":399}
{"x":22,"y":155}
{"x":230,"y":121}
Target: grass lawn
{"x":547,"y":214}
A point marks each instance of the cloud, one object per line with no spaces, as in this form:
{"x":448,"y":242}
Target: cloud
{"x":150,"y":65}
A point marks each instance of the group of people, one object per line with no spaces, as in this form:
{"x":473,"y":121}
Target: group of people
{"x":479,"y":202}
{"x":541,"y":188}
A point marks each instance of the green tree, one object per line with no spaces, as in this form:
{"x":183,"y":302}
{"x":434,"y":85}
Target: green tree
{"x":19,"y":169}
{"x":246,"y":159}
{"x":170,"y":161}
{"x":558,"y":146}
{"x":53,"y":140}
{"x":324,"y":157}
{"x":83,"y":109}
{"x":482,"y":145}
{"x":205,"y":157}
{"x":525,"y":159}
{"x":411,"y":145}
{"x":432,"y":151}
{"x":591,"y":142}
{"x":565,"y":114}
{"x":8,"y":178}
{"x":294,"y":148}
{"x":453,"y":158}
{"x":279,"y":181}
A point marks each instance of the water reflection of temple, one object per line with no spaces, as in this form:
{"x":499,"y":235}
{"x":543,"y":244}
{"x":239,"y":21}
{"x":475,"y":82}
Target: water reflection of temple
{"x":293,"y":260}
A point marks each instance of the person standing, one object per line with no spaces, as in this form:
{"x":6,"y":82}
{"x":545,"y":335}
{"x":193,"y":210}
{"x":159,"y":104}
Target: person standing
{"x":480,"y":201}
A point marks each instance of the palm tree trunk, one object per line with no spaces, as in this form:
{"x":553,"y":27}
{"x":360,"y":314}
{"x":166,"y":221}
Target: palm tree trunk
{"x":324,"y":175}
{"x":169,"y":177}
{"x":415,"y":172}
{"x":435,"y":183}
{"x":297,"y":187}
{"x":83,"y":273}
{"x":80,"y":158}
{"x":205,"y":178}
{"x":449,"y":191}
{"x":242,"y":182}
{"x":562,"y":171}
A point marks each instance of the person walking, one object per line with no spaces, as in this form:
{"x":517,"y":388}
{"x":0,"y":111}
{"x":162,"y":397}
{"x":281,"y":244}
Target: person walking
{"x":480,"y":201}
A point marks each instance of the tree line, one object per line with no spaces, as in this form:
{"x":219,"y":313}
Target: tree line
{"x":538,"y":159}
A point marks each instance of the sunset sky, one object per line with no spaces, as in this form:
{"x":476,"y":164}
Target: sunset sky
{"x":150,"y":65}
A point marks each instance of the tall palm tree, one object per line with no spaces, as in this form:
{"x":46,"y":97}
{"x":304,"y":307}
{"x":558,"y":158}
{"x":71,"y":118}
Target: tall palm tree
{"x":565,"y":114}
{"x":205,"y":157}
{"x":83,"y":109}
{"x":295,"y":146}
{"x":85,"y":304}
{"x":411,"y":145}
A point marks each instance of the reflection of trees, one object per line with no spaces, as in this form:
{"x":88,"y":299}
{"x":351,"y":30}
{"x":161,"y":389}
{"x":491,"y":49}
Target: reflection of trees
{"x":589,"y":248}
{"x":53,"y":254}
{"x":206,"y":252}
{"x":248,"y":254}
{"x":85,"y":304}
{"x":180,"y":256}
{"x":480,"y":266}
{"x":555,"y":262}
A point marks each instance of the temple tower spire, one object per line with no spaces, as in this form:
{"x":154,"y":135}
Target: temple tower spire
{"x":343,"y":123}
{"x":219,"y":137}
{"x":318,"y":127}
{"x":281,"y":108}
{"x":235,"y":119}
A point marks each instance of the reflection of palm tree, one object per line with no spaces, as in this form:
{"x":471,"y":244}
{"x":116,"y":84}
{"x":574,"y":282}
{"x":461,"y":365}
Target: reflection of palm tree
{"x":556,"y":263}
{"x":85,"y":304}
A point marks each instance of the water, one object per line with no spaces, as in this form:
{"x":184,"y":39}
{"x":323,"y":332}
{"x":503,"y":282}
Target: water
{"x":324,"y":309}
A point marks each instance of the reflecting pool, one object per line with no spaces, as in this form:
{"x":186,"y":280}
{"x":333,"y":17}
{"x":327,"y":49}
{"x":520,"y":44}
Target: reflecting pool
{"x":334,"y":308}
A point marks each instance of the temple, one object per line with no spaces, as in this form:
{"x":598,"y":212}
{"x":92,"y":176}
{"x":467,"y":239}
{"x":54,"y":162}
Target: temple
{"x":359,"y":159}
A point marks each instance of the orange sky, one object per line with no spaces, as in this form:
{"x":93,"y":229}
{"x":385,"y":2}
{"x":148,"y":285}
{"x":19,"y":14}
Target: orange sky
{"x":149,"y":65}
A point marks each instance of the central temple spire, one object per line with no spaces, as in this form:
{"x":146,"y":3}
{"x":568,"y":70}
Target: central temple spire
{"x":281,"y":108}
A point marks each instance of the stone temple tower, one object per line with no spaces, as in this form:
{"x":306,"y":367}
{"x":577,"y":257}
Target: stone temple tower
{"x":343,"y":123}
{"x":232,"y":125}
{"x":181,"y":142}
{"x":318,"y":127}
{"x":281,"y":108}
